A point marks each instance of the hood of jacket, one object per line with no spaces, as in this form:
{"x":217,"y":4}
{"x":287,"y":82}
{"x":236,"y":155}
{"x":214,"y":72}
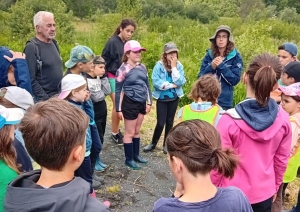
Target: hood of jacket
{"x":24,"y":195}
{"x":231,"y":55}
{"x":258,"y":122}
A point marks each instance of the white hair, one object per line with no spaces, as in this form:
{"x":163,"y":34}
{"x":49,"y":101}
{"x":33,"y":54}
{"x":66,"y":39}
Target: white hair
{"x":38,"y":17}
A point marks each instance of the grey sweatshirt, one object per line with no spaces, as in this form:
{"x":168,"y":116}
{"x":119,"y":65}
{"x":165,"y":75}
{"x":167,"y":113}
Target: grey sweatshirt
{"x":23,"y":194}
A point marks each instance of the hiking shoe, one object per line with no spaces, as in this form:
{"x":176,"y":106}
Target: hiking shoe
{"x":98,"y":178}
{"x":117,"y":138}
{"x":96,"y":184}
{"x":149,"y":148}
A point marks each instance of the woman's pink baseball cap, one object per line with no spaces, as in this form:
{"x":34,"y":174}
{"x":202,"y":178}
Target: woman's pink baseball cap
{"x":134,"y":46}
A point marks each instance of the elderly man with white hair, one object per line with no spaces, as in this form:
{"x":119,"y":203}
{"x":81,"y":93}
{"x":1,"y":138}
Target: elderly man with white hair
{"x":43,"y":58}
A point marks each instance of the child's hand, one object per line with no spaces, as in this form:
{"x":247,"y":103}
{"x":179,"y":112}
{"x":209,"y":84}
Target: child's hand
{"x":15,"y":55}
{"x":120,"y":115}
{"x":148,"y":108}
{"x":174,"y":86}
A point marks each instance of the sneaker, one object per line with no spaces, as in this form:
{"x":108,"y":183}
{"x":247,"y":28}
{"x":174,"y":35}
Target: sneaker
{"x":117,"y":138}
{"x":121,"y":134}
{"x":98,"y":179}
{"x":96,"y":184}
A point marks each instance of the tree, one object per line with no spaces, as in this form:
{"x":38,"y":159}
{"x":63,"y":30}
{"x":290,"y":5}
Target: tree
{"x":20,"y":19}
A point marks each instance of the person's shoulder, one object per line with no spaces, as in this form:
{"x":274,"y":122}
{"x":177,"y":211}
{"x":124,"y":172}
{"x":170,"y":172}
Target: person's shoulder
{"x":163,"y":202}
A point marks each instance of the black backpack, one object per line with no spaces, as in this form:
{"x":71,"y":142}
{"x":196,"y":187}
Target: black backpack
{"x":37,"y":52}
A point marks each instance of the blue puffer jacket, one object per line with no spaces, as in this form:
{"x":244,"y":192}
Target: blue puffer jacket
{"x":159,"y":76}
{"x":228,"y":73}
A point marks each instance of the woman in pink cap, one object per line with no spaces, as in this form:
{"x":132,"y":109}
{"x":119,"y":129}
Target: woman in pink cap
{"x":132,"y":78}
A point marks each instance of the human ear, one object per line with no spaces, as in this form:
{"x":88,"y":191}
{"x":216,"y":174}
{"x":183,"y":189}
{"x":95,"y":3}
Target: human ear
{"x":78,"y":153}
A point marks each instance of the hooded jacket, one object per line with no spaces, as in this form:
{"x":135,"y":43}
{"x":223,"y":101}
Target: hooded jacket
{"x":228,"y":73}
{"x":23,"y":194}
{"x":261,"y":137}
{"x":21,"y":71}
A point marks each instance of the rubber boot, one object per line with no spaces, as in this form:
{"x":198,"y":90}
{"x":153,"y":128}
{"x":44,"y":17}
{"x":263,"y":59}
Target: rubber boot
{"x":99,"y":166}
{"x":128,"y":150}
{"x":136,"y":151}
{"x":167,"y":130}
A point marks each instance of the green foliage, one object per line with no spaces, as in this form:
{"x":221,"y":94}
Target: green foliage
{"x":5,"y":4}
{"x":289,"y":15}
{"x":201,"y":12}
{"x":21,"y":26}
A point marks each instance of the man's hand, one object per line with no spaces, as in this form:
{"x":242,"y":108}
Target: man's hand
{"x":15,"y":55}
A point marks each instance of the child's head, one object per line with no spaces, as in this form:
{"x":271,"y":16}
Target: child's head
{"x":54,"y":133}
{"x":98,"y":67}
{"x":9,"y":118}
{"x":261,"y":77}
{"x":126,"y":29}
{"x":80,"y":57}
{"x":132,"y":52}
{"x":194,"y":146}
{"x":15,"y":97}
{"x":287,"y":53}
{"x":291,"y":73}
{"x":290,"y":98}
{"x":74,"y":87}
{"x":206,"y":89}
{"x":6,"y":68}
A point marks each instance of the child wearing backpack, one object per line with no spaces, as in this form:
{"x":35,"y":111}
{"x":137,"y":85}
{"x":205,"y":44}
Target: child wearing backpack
{"x":259,"y":132}
{"x":54,"y":132}
{"x":99,"y":88}
{"x":205,"y":93}
{"x":194,"y":149}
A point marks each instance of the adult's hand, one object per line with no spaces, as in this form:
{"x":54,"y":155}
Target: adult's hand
{"x":216,"y":62}
{"x":174,"y":61}
{"x":15,"y":55}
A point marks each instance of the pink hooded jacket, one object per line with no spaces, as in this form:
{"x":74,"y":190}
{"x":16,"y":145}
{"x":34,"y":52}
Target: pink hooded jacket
{"x":263,"y":151}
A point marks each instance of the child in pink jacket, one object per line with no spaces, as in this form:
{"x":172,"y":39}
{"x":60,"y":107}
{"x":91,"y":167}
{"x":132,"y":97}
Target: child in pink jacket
{"x":259,"y":131}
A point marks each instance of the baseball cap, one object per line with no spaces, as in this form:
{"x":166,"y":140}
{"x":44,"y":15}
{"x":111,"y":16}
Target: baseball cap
{"x":293,"y":70}
{"x":291,"y":48}
{"x":69,"y":83}
{"x":79,"y":54}
{"x":133,"y":45}
{"x":291,"y":90}
{"x":170,"y":47}
{"x":10,"y":116}
{"x":222,"y":28}
{"x":19,"y":97}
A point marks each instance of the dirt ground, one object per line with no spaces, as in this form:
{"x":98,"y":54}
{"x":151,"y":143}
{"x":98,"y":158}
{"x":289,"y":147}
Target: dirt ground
{"x":137,"y":190}
{"x":133,"y":190}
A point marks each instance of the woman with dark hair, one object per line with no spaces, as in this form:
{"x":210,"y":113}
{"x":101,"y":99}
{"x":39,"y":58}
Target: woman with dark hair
{"x":194,"y":149}
{"x":224,"y":61}
{"x":168,"y":79}
{"x":112,"y":54}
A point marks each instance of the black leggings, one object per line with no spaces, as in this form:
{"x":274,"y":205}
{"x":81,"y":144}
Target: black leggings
{"x":264,"y":206}
{"x":100,"y":109}
{"x":165,"y":112}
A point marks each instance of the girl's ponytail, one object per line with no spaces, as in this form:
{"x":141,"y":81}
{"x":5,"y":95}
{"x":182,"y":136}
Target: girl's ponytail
{"x":225,"y":161}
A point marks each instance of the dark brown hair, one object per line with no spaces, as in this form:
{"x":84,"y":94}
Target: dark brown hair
{"x":207,"y":88}
{"x":215,"y":49}
{"x":51,"y":130}
{"x":296,"y":98}
{"x":124,"y":23}
{"x":7,"y":151}
{"x":165,"y":61}
{"x":263,"y":73}
{"x":197,"y":143}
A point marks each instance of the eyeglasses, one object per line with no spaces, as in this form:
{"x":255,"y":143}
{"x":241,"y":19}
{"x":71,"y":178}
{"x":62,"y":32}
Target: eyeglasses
{"x":222,"y":36}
